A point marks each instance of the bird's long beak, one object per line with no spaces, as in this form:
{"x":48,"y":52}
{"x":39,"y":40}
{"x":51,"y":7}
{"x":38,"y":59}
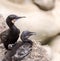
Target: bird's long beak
{"x":33,"y":33}
{"x":20,"y":17}
{"x":13,"y":21}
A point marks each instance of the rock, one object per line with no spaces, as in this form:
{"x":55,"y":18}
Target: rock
{"x":45,"y":4}
{"x":2,"y":24}
{"x":38,"y":53}
{"x":55,"y":43}
{"x":9,"y":54}
{"x":2,"y":50}
{"x":21,"y":1}
{"x":56,"y":56}
{"x":49,"y":39}
{"x":16,"y":1}
{"x":45,"y":23}
{"x":22,"y":52}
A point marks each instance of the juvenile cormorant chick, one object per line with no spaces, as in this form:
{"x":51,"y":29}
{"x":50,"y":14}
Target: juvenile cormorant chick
{"x":26,"y":47}
{"x":25,"y":35}
{"x":10,"y":35}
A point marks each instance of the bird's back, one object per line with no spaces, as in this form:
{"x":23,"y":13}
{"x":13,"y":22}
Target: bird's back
{"x":9,"y":36}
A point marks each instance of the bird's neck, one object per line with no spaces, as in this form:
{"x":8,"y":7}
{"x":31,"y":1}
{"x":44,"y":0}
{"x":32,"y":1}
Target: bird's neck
{"x":27,"y":41}
{"x":9,"y":23}
{"x":13,"y":27}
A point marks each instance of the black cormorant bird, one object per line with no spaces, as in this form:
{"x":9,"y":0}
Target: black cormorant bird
{"x":26,"y":47}
{"x":11,"y":35}
{"x":21,"y":49}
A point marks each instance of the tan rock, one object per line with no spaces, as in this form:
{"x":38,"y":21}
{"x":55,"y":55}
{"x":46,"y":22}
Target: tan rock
{"x":2,"y":24}
{"x":45,"y":4}
{"x":55,"y":43}
{"x":56,"y":56}
{"x":16,"y":1}
{"x":21,"y":1}
{"x":44,"y":23}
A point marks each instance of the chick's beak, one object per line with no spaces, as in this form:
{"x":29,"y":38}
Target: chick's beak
{"x":32,"y":33}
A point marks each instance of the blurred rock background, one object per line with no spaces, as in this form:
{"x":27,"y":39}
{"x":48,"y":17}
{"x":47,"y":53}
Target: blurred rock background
{"x":42,"y":17}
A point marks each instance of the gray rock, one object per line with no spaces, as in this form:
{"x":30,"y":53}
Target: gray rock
{"x":2,"y":24}
{"x":45,"y":4}
{"x":38,"y":53}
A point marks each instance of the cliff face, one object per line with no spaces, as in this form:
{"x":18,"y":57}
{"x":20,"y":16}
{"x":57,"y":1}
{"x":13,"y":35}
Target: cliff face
{"x":46,"y":23}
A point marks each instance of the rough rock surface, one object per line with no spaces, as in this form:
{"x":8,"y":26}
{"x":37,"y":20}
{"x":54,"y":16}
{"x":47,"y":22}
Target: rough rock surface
{"x":2,"y":28}
{"x":38,"y":53}
{"x":2,"y":24}
{"x":45,"y":23}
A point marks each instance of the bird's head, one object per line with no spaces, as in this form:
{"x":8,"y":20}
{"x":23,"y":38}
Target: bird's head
{"x":12,"y":18}
{"x":26,"y":34}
